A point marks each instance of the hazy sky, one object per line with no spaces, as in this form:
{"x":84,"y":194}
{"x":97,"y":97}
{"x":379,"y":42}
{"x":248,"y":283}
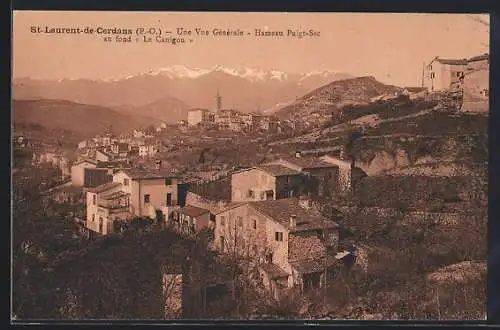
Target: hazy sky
{"x":391,"y":47}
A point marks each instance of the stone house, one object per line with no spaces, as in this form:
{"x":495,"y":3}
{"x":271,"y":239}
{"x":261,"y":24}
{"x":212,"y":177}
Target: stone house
{"x":265,"y":182}
{"x":321,"y":176}
{"x":132,"y":193}
{"x":476,"y":85}
{"x":289,"y":240}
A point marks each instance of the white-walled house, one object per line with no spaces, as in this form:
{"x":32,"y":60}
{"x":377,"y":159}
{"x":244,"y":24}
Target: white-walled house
{"x":440,"y":74}
{"x":138,"y":134}
{"x":148,"y":150}
{"x":200,"y":117}
{"x":132,"y":193}
{"x":78,"y":171}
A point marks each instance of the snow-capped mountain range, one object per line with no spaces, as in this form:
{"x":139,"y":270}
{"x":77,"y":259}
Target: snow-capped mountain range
{"x":251,"y":74}
{"x":177,"y":88}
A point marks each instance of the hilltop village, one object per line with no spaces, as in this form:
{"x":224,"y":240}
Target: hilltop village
{"x":294,"y":208}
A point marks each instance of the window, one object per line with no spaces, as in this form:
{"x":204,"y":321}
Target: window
{"x":94,"y":198}
{"x":146,"y":198}
{"x":278,"y":236}
{"x":212,"y":217}
{"x":93,"y":217}
{"x":223,"y":221}
{"x":222,"y":243}
{"x":254,"y":224}
{"x":250,"y":194}
{"x":240,"y":222}
{"x":125,"y":182}
{"x":433,"y":75}
{"x":168,"y":182}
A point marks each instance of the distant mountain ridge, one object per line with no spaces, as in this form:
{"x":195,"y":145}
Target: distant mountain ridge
{"x":248,"y":89}
{"x":84,"y":119}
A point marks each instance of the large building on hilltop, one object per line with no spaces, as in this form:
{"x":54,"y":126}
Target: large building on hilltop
{"x":440,"y":74}
{"x":200,"y":117}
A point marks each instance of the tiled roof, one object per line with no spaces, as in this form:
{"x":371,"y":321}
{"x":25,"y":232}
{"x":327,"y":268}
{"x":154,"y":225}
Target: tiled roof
{"x":277,"y":170}
{"x":273,"y":270}
{"x":312,"y":265}
{"x":112,"y":164}
{"x":147,"y":174}
{"x":479,"y":58}
{"x":85,"y":161}
{"x":231,"y":206}
{"x":308,"y":162}
{"x":281,"y":210}
{"x":193,"y":211}
{"x":451,"y":61}
{"x":104,"y":187}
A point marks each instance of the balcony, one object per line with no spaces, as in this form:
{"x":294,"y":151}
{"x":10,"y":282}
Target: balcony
{"x":116,"y":202}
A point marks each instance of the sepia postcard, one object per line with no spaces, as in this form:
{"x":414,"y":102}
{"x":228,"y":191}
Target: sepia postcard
{"x":249,"y":166}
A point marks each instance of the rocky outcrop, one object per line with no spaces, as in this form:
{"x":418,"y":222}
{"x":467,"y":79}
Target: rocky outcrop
{"x":384,"y":161}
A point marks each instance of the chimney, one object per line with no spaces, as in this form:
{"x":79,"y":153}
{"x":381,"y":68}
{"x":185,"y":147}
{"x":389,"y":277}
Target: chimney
{"x":158,"y":164}
{"x":298,"y":154}
{"x":293,"y":221}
